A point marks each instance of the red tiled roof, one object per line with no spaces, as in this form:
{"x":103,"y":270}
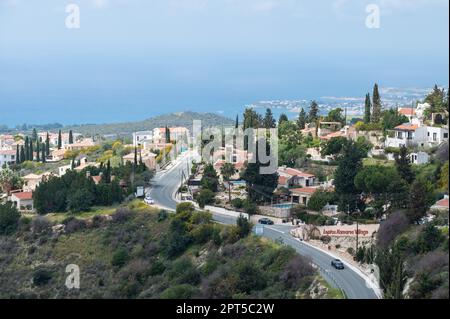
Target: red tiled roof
{"x":443,"y":203}
{"x":331,"y":135}
{"x":282,"y":180}
{"x":305,"y":190}
{"x":23,"y":195}
{"x":406,"y":111}
{"x":8,"y":152}
{"x":407,"y":127}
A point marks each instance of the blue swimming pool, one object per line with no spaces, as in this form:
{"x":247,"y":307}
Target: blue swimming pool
{"x":285,"y":206}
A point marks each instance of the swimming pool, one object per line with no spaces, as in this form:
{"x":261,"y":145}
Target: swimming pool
{"x":285,"y":206}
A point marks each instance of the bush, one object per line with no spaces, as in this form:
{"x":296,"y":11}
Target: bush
{"x":9,"y":219}
{"x":185,"y":207}
{"x":162,"y":215}
{"x":73,"y":224}
{"x":396,"y":223}
{"x":41,"y":225}
{"x":325,"y":239}
{"x":237,"y":203}
{"x":41,"y":277}
{"x":205,"y":197}
{"x":120,"y":257}
{"x":122,"y":215}
{"x":250,"y":207}
{"x":179,"y":292}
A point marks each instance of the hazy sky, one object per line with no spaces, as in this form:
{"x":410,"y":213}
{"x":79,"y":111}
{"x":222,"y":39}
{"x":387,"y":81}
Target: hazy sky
{"x":132,"y":59}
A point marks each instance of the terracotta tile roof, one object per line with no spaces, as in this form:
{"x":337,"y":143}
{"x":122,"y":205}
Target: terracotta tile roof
{"x":282,"y":180}
{"x":407,"y":127}
{"x":304,"y":190}
{"x":293,"y":172}
{"x":331,"y":135}
{"x":443,"y":203}
{"x":407,"y":111}
{"x":8,"y":152}
{"x":23,"y":195}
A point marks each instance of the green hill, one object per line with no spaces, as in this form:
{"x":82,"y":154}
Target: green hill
{"x":175,"y":119}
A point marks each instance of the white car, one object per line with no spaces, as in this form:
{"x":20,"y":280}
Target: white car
{"x":149,"y":201}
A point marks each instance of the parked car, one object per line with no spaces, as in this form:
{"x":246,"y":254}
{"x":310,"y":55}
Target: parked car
{"x":148,"y":200}
{"x":337,"y":263}
{"x":265,"y":221}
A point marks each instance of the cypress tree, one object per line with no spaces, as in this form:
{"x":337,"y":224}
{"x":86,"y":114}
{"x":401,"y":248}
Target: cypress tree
{"x":70,"y":137}
{"x":59,"y":140}
{"x":34,"y":136}
{"x":237,"y":121}
{"x":43,"y":154}
{"x":376,"y":104}
{"x":27,"y":150}
{"x":302,"y":119}
{"x":367,"y":109}
{"x":47,"y":145}
{"x":167,"y":133}
{"x":31,"y":158}
{"x":22,"y":154}
{"x":135,"y":157}
{"x":268,"y":121}
{"x":17,"y":154}
{"x":38,"y":155}
{"x":283,"y":118}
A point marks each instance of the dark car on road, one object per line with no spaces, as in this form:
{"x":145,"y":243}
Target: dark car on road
{"x":337,"y":263}
{"x":265,"y":221}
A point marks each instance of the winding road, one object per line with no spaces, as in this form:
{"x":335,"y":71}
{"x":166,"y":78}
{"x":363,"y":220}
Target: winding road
{"x":354,"y":286}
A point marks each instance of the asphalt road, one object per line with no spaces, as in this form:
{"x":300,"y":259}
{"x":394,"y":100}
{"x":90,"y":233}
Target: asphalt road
{"x":165,"y":185}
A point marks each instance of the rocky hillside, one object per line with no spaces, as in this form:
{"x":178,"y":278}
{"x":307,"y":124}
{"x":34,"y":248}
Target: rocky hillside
{"x":138,"y":252}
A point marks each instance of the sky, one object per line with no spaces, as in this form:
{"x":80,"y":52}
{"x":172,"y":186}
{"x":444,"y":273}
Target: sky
{"x":133,"y":59}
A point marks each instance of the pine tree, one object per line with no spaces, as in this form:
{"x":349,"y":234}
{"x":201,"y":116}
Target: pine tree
{"x":313,"y":115}
{"x":403,"y":165}
{"x":302,"y":119}
{"x":376,"y":105}
{"x":269,"y":122}
{"x":59,"y":140}
{"x":70,"y":137}
{"x":367,"y":109}
{"x":283,"y":118}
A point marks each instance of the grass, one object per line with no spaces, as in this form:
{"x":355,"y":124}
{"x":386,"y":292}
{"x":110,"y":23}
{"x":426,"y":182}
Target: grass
{"x":59,"y":217}
{"x":378,"y":162}
{"x":333,"y":293}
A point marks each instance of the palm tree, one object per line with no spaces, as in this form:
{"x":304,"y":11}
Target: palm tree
{"x":227,"y":171}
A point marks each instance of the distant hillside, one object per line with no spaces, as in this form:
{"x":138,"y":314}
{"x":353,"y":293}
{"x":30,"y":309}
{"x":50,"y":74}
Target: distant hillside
{"x":175,"y":119}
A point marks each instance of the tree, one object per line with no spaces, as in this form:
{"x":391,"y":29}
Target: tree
{"x":167,"y":134}
{"x":47,"y":145}
{"x":135,"y":157}
{"x":336,"y":116}
{"x":227,"y":171}
{"x":260,"y":187}
{"x":236,"y":125}
{"x":283,"y":118}
{"x":70,"y":137}
{"x":313,"y":115}
{"x":419,"y":201}
{"x":205,"y":197}
{"x":34,"y":136}
{"x":376,"y":113}
{"x":22,"y":154}
{"x":9,"y":218}
{"x":38,"y":151}
{"x":333,"y":146}
{"x":210,"y":180}
{"x":31,"y":156}
{"x":9,"y":180}
{"x":443,"y":178}
{"x":27,"y":149}
{"x":243,"y":226}
{"x":319,"y":199}
{"x":301,"y":122}
{"x":18,"y":154}
{"x":107,"y":174}
{"x":43,"y":154}
{"x":59,"y":140}
{"x":403,"y":165}
{"x":367,"y":109}
{"x":349,"y":164}
{"x":269,"y":122}
{"x":391,"y":118}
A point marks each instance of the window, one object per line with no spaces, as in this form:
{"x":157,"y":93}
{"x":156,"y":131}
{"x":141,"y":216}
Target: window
{"x":434,"y":137}
{"x":445,"y":135}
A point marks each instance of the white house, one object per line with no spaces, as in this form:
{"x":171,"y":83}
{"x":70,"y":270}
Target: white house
{"x":7,"y":157}
{"x":419,"y":158}
{"x":411,"y":135}
{"x":139,"y":138}
{"x":293,"y":178}
{"x":23,"y":201}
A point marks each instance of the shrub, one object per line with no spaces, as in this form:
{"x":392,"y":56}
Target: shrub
{"x":396,"y":223}
{"x":41,"y":225}
{"x":295,"y":271}
{"x":122,"y":215}
{"x":120,"y":257}
{"x":162,"y":215}
{"x":325,"y":239}
{"x":179,"y":292}
{"x":237,"y":203}
{"x":74,"y":225}
{"x":9,"y":219}
{"x":250,"y":207}
{"x":351,"y":251}
{"x":41,"y":277}
{"x":205,"y":197}
{"x":185,"y":207}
